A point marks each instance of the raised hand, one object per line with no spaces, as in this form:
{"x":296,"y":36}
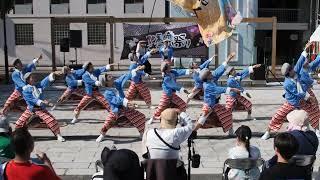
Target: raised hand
{"x":256,"y":66}
{"x":154,"y":50}
{"x":308,"y":45}
{"x":231,"y":56}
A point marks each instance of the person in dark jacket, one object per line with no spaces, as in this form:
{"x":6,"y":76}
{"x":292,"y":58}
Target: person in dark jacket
{"x":122,"y":164}
{"x":307,"y":139}
{"x":285,"y":146}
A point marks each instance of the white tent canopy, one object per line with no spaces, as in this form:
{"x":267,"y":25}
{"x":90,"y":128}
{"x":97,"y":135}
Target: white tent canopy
{"x":316,"y":35}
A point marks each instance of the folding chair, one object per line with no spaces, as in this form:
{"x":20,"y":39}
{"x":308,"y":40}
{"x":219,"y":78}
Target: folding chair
{"x":245,"y":164}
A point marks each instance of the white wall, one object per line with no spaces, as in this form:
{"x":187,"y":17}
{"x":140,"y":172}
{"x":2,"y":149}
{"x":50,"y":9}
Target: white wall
{"x":99,"y":54}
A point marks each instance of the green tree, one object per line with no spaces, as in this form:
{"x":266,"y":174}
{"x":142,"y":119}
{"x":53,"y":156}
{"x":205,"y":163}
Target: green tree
{"x":5,"y":7}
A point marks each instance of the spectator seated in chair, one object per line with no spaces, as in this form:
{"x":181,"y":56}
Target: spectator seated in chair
{"x":243,"y":149}
{"x":307,"y":139}
{"x":286,"y":146}
{"x":122,"y":164}
{"x":21,"y":166}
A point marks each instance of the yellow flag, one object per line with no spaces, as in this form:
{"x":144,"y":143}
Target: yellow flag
{"x":216,"y":18}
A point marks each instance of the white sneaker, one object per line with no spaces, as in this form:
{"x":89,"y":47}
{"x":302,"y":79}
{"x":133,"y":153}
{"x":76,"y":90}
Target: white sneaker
{"x":150,"y":121}
{"x":74,"y":120}
{"x":60,"y":138}
{"x":100,"y":138}
{"x":318,"y":133}
{"x":249,"y":117}
{"x":266,"y":135}
{"x":231,"y":132}
{"x":53,"y":108}
{"x":3,"y":117}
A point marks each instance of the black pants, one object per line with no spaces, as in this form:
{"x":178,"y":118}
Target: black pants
{"x":148,"y":67}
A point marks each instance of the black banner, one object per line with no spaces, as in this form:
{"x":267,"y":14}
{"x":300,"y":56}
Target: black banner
{"x":185,"y":39}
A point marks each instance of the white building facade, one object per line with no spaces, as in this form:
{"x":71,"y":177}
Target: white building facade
{"x":29,"y":28}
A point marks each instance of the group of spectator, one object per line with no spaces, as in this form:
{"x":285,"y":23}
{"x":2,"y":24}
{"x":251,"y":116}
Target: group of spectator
{"x":162,"y":150}
{"x":162,"y":147}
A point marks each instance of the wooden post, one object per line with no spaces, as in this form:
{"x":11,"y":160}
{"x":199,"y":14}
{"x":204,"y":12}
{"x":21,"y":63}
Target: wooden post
{"x":53,"y":46}
{"x":111,"y":43}
{"x":216,"y":58}
{"x":274,"y":45}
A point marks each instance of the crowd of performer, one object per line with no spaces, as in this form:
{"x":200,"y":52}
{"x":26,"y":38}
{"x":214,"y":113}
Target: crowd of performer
{"x":85,"y":82}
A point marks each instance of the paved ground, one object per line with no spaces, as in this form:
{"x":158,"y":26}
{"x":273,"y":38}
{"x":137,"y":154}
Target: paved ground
{"x":78,"y":155}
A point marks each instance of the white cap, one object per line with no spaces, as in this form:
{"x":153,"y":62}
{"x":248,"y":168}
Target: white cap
{"x":285,"y":68}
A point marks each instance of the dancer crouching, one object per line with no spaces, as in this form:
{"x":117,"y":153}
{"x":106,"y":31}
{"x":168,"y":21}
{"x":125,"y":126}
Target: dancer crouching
{"x":120,"y":106}
{"x":33,"y":95}
{"x":170,"y":86}
{"x":90,"y":79}
{"x":211,"y":91}
{"x":17,"y":77}
{"x":295,"y":97}
{"x":73,"y":79}
{"x":234,"y":81}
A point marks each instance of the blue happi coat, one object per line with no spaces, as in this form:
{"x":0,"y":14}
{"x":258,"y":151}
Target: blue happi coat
{"x":166,"y":52}
{"x":33,"y":95}
{"x":17,"y":76}
{"x":235,"y":81}
{"x":169,"y":84}
{"x":90,"y":79}
{"x":73,"y":79}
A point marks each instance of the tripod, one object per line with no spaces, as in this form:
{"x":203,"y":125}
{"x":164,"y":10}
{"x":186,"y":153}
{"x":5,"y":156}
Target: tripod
{"x":190,"y":141}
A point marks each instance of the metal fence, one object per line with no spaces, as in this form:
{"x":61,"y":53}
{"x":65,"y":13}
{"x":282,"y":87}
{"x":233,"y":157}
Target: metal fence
{"x":285,"y":15}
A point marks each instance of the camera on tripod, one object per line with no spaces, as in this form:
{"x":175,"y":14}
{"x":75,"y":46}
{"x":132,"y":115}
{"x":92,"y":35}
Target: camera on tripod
{"x":192,"y":156}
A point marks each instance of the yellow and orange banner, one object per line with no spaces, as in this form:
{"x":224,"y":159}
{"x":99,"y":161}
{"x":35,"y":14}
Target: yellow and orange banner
{"x":216,"y":18}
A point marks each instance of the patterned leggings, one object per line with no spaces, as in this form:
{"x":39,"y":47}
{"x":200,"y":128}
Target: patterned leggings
{"x":165,"y":102}
{"x":96,"y":95}
{"x":44,"y":115}
{"x":142,"y":89}
{"x":231,"y":102}
{"x":224,"y":116}
{"x":134,"y":116}
{"x":15,"y":96}
{"x":68,"y":92}
{"x":286,"y":108}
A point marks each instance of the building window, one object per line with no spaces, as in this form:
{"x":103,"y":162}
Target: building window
{"x":96,"y":33}
{"x":61,"y":31}
{"x":59,"y":7}
{"x":133,"y":6}
{"x":23,"y":7}
{"x":96,"y":7}
{"x":24,"y":34}
{"x":233,"y":45}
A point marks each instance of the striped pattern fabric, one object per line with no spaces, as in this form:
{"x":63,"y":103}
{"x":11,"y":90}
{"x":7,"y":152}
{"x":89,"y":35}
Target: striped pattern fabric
{"x":196,"y":92}
{"x":136,"y":118}
{"x":15,"y":96}
{"x":68,"y":92}
{"x":140,"y":88}
{"x":231,"y":103}
{"x":224,"y":116}
{"x":44,"y":115}
{"x":286,"y":108}
{"x":315,"y":110}
{"x":96,"y":95}
{"x":166,"y":101}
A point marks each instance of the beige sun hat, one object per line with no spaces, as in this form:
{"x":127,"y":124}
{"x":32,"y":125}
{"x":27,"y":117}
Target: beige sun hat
{"x":297,"y":119}
{"x":285,"y":68}
{"x":169,"y":118}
